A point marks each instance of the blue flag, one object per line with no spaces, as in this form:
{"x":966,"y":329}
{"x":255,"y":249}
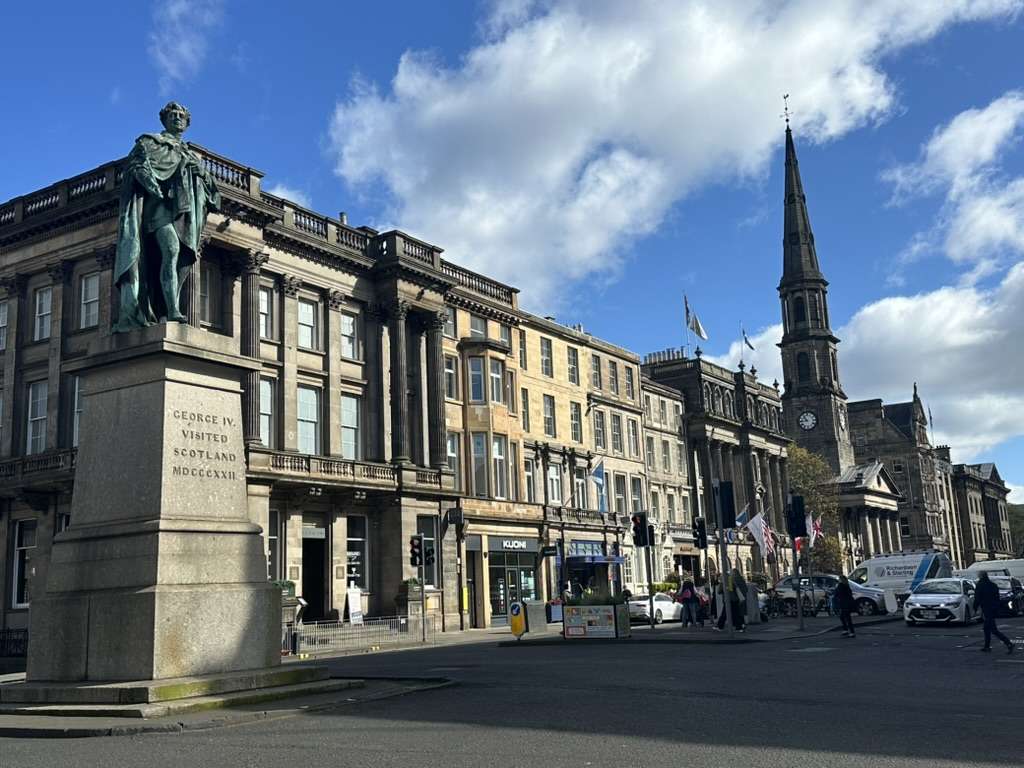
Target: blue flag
{"x":602,"y":496}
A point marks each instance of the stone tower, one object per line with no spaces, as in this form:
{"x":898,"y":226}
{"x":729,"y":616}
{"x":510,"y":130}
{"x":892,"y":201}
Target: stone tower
{"x":814,"y":404}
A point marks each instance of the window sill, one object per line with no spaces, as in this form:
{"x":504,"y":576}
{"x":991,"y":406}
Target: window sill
{"x":311,"y":351}
{"x":354,"y":360}
{"x":83,"y":331}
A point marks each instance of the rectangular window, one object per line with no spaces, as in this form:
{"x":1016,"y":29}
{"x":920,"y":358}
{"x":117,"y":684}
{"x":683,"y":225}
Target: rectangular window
{"x":497,"y":369}
{"x":600,"y":441}
{"x":513,"y":465}
{"x":510,"y":390}
{"x":634,"y":438}
{"x":309,"y":322}
{"x":630,"y":384}
{"x":36,"y":432}
{"x":651,"y":458}
{"x":451,"y":329}
{"x":636,"y":493}
{"x":671,"y":508}
{"x":309,"y":420}
{"x":267,"y":424}
{"x":476,"y":379}
{"x":662,"y":413}
{"x":547,"y":363}
{"x":522,"y":349}
{"x":499,"y":461}
{"x":350,"y":336}
{"x":573,"y":362}
{"x":616,"y":433}
{"x":655,"y":505}
{"x":62,"y":522}
{"x":266,"y":312}
{"x":524,"y":396}
{"x":454,"y":463}
{"x":477,"y":327}
{"x":555,"y":484}
{"x":44,"y":308}
{"x":576,"y":422}
{"x":647,"y":406}
{"x":479,"y":441}
{"x":357,"y":562}
{"x":595,"y":372}
{"x":681,"y":458}
{"x":620,"y":494}
{"x":209,"y":293}
{"x":678,"y":410}
{"x":451,"y":377}
{"x":76,"y":417}
{"x":24,"y":543}
{"x":528,"y":479}
{"x":89,"y":301}
{"x":506,"y":333}
{"x":666,"y":456}
{"x":549,"y":416}
{"x":3,"y":325}
{"x":426,"y":526}
{"x":351,"y":421}
{"x":602,"y":490}
{"x":613,"y":377}
{"x":579,"y":488}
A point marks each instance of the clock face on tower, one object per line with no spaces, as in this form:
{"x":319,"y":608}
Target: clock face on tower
{"x":807,"y":420}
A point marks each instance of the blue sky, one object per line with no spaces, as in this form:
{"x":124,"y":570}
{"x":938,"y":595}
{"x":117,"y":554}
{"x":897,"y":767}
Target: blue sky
{"x":608,"y":157}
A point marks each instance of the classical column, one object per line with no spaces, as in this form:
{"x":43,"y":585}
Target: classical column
{"x":108,"y":296}
{"x":435,"y":391}
{"x":60,"y":275}
{"x":249,"y":265}
{"x":399,"y":383}
{"x":14,"y":286}
{"x":376,"y":388}
{"x":335,"y":302}
{"x":190,"y":290}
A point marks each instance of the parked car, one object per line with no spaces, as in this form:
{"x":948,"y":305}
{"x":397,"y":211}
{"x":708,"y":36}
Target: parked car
{"x":1011,"y":595}
{"x":941,"y":601}
{"x":665,"y":608}
{"x":1013,"y":568}
{"x":817,"y":590}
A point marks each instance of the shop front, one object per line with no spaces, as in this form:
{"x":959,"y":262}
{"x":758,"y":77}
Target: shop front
{"x":507,"y":566}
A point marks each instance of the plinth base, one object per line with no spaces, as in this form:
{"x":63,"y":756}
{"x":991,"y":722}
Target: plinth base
{"x":159,"y":698}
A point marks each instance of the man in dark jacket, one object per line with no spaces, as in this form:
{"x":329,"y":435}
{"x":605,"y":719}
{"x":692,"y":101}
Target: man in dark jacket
{"x":986,"y":597}
{"x":846,"y":605}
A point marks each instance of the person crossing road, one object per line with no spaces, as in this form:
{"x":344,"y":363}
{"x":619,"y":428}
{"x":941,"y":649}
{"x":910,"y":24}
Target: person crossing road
{"x":986,"y":597}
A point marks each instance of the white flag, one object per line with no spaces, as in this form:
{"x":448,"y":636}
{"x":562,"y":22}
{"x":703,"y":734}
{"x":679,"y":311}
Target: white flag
{"x":696,"y":327}
{"x":756,"y":527}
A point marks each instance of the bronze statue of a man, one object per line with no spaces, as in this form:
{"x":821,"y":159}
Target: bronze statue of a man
{"x":165,"y":198}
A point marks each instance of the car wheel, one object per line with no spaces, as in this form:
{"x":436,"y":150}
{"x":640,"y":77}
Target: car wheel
{"x":967,"y":616}
{"x":866,"y":607}
{"x":658,"y":617}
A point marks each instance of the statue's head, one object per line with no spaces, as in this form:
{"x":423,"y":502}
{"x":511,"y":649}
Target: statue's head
{"x":175,"y":117}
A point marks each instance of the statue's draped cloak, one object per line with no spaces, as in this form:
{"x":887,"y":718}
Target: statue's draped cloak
{"x":163,"y":184}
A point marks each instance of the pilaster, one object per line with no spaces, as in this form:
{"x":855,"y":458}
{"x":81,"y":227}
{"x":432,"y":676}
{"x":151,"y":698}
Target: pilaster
{"x":398,"y":315}
{"x":435,"y":392}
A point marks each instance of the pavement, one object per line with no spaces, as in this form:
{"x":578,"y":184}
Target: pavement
{"x":894,"y":696}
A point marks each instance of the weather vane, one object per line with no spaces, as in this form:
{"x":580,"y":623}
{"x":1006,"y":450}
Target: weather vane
{"x":785,"y":108}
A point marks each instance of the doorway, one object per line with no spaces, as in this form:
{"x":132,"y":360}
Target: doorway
{"x":513,"y":578}
{"x":313,"y":558}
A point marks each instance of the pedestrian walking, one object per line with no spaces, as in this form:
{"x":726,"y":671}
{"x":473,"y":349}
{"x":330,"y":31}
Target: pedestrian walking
{"x":690,"y":601}
{"x":846,"y":605}
{"x":735,"y":591}
{"x":986,"y":597}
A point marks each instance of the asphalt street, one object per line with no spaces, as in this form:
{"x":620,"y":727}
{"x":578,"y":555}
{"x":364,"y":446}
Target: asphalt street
{"x":894,"y":696}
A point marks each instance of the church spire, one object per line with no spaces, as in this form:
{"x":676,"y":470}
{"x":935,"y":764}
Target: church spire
{"x":799,"y":259}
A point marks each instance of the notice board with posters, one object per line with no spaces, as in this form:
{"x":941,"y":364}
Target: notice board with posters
{"x":588,"y":621}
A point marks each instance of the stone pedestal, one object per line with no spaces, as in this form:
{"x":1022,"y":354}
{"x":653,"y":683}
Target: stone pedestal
{"x":160,"y":575}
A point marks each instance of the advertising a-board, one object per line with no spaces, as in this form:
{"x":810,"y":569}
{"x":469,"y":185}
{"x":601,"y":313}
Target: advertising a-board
{"x":587,"y":621}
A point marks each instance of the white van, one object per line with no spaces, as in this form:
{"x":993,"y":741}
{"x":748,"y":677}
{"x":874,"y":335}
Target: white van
{"x":902,"y":571}
{"x":1014,"y":568}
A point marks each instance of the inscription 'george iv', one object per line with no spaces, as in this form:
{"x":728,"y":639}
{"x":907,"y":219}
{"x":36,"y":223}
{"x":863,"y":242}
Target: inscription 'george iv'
{"x":204,"y":443}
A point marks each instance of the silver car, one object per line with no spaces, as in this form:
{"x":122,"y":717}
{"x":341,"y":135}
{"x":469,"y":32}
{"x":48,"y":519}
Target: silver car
{"x":941,"y":601}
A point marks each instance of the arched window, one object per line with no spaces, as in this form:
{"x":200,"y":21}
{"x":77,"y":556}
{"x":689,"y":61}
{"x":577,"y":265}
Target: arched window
{"x":751,"y":413}
{"x":707,"y":397}
{"x":764,"y":415}
{"x":730,"y":411}
{"x":835,"y":369}
{"x":803,"y":367}
{"x":815,"y":311}
{"x":718,"y":400}
{"x":799,"y":310}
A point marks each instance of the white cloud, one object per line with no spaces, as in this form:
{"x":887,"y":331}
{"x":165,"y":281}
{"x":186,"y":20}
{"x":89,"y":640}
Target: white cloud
{"x":297,"y":196}
{"x":981,"y":223}
{"x":179,"y":39}
{"x":554,"y":146}
{"x":1016,"y":493}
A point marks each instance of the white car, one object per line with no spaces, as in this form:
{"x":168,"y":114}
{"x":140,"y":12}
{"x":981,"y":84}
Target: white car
{"x":941,"y":601}
{"x":665,"y":608}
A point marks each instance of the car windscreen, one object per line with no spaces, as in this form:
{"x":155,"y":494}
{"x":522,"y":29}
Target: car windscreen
{"x":859,"y":576}
{"x":1003,"y":584}
{"x":939,"y":588}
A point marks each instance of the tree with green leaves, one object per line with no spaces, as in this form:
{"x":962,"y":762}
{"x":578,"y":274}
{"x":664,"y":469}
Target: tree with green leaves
{"x":811,"y":477}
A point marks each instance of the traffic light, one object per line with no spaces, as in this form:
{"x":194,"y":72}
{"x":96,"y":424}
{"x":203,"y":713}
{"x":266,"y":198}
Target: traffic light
{"x":640,"y":529}
{"x":428,"y":556}
{"x":727,"y":504}
{"x":700,"y":533}
{"x":416,"y":551}
{"x":796,"y":517}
